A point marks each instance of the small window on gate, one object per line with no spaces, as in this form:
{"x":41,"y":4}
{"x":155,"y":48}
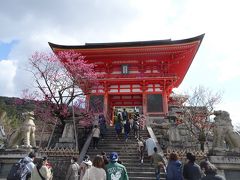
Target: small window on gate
{"x":124,"y":69}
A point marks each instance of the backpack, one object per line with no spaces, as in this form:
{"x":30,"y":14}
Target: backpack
{"x":135,"y":125}
{"x":19,"y":170}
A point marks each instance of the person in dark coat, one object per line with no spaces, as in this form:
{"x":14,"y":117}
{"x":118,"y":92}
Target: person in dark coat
{"x":102,"y":125}
{"x":104,"y":155}
{"x":174,"y":168}
{"x":191,"y":170}
{"x":210,"y":171}
{"x":124,"y":115}
{"x":118,"y":126}
{"x":126,"y":127}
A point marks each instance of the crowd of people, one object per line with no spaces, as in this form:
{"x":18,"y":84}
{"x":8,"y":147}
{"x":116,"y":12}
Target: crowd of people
{"x":104,"y":167}
{"x":29,"y":168}
{"x":125,"y":122}
{"x":101,"y":168}
{"x":175,"y":170}
{"x":110,"y":167}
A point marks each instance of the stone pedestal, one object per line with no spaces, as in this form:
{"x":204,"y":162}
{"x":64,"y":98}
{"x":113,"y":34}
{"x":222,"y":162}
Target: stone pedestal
{"x":68,"y":138}
{"x":228,"y":165}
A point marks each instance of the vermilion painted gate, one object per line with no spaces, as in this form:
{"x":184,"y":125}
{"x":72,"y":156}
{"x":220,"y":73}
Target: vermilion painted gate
{"x":139,"y":73}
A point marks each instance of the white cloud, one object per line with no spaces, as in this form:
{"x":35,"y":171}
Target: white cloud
{"x":228,"y":68}
{"x":7,"y":73}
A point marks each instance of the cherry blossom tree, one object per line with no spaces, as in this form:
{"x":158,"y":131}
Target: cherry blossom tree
{"x":196,"y":108}
{"x":61,"y":80}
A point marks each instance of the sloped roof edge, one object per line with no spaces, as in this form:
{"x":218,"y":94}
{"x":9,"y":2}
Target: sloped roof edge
{"x":128,"y":44}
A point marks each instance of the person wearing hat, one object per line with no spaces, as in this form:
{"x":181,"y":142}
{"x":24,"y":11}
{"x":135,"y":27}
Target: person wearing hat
{"x":115,"y":170}
{"x":191,"y":170}
{"x":85,"y":164}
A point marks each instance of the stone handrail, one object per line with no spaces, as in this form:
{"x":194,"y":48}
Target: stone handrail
{"x":85,"y":147}
{"x":151,"y":133}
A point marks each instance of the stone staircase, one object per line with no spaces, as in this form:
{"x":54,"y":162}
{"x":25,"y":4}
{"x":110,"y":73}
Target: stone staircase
{"x":128,"y":154}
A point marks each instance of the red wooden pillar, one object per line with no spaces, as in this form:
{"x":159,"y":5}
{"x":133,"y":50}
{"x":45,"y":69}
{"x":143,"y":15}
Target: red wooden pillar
{"x":105,"y":104}
{"x":144,"y":104}
{"x":144,"y":99}
{"x":165,"y":103}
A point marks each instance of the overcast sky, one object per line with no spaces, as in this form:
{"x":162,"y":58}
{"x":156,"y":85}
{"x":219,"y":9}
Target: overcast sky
{"x":28,"y":26}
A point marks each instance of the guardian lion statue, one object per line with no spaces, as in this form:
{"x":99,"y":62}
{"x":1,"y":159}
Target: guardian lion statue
{"x":25,"y":135}
{"x":224,"y":135}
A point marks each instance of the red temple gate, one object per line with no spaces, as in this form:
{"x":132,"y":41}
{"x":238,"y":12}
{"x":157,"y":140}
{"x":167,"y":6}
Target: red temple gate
{"x":136,"y":74}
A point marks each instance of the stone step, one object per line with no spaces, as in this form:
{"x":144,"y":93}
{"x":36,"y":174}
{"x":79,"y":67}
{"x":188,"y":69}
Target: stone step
{"x":118,"y":142}
{"x":145,"y":178}
{"x":141,"y":173}
{"x":139,"y":167}
{"x":131,"y":135}
{"x":121,"y":155}
{"x":128,"y":154}
{"x":130,"y":148}
{"x":110,"y":133}
{"x":121,"y":137}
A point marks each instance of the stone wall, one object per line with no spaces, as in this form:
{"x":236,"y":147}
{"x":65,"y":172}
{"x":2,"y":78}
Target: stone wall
{"x":228,"y":165}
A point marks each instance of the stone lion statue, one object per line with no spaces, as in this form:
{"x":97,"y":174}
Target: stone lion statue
{"x":25,"y":135}
{"x":224,"y":135}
